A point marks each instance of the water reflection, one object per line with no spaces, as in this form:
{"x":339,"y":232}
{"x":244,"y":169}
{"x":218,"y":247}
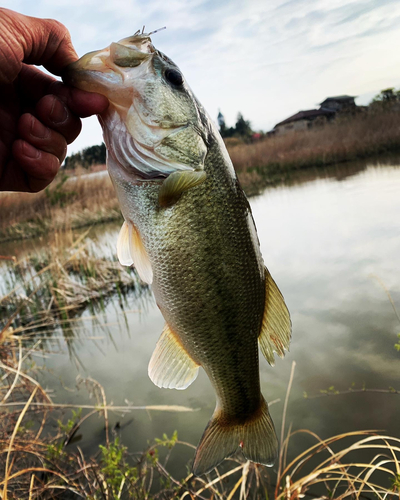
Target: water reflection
{"x":324,"y":237}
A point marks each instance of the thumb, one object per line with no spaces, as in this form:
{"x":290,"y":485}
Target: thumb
{"x":36,"y":41}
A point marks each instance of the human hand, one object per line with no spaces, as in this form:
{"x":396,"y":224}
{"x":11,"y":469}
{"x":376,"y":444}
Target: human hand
{"x":39,"y":115}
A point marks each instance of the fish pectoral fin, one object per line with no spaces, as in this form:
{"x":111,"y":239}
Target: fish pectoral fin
{"x":171,"y":366}
{"x":185,"y":146}
{"x":256,"y":437}
{"x":130,"y":250}
{"x":178,"y":182}
{"x":276,"y":329}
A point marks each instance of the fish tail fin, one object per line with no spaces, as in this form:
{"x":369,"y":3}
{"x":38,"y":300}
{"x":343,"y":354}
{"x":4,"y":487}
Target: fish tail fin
{"x":221,"y":439}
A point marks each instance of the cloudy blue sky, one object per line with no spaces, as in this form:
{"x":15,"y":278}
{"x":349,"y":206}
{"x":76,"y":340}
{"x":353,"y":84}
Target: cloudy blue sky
{"x":267,"y":59}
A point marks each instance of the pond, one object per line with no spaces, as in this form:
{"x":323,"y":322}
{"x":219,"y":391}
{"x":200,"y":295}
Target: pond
{"x":332,"y":243}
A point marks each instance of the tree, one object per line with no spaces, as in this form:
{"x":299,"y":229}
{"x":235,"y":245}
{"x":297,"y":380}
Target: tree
{"x":387,"y":96}
{"x":221,"y":122}
{"x":93,"y":155}
{"x":242,"y":127}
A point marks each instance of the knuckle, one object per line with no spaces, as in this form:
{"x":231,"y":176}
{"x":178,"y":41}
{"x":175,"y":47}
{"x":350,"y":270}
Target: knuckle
{"x":57,"y":28}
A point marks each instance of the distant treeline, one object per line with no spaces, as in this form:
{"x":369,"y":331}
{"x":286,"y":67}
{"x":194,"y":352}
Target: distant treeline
{"x":242,"y":129}
{"x":387,"y":99}
{"x":94,"y":155}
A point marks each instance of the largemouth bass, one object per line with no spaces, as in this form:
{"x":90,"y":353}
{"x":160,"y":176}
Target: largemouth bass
{"x":190,"y":233}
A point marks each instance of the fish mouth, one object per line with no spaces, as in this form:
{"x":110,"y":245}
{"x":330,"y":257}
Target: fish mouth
{"x":106,"y":69}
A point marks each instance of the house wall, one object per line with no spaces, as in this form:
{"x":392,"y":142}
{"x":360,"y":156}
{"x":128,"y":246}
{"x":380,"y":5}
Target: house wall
{"x":292,"y":126}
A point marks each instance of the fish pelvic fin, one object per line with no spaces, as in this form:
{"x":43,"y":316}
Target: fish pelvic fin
{"x":130,"y":250}
{"x":276,"y":329}
{"x":256,"y":438}
{"x":178,"y":182}
{"x":171,"y":366}
{"x":123,"y":252}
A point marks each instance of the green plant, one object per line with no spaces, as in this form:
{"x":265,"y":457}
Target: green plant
{"x":395,"y":482}
{"x":166,"y":441}
{"x":67,"y":428}
{"x":58,"y":195}
{"x":397,"y":345}
{"x":115,"y":469}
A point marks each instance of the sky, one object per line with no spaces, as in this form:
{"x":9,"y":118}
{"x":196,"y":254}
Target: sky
{"x":267,"y":59}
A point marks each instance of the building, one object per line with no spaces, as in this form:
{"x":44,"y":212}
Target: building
{"x":303,"y":120}
{"x":339,"y":103}
{"x":306,"y":119}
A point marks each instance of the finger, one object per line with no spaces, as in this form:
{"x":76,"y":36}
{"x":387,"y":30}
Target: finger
{"x":35,"y":84}
{"x":43,"y":41}
{"x":54,"y":113}
{"x":43,"y":138}
{"x":39,"y":167}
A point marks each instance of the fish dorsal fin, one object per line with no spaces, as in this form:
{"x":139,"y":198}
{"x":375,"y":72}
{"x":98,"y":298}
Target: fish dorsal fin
{"x":171,"y":366}
{"x":130,"y":250}
{"x":178,"y":182}
{"x":276,"y":326}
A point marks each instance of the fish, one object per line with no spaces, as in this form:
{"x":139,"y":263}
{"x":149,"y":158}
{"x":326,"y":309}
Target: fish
{"x":189,"y":231}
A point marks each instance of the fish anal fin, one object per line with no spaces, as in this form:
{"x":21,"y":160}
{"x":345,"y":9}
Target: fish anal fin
{"x":171,"y":366}
{"x":256,"y":437}
{"x":178,"y":182}
{"x":130,"y":250}
{"x":276,"y":326}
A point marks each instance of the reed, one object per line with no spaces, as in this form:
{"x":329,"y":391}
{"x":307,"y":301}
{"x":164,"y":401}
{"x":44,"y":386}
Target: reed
{"x":84,"y":199}
{"x":37,"y":462}
{"x":49,"y":288}
{"x":69,"y":203}
{"x":347,"y":138}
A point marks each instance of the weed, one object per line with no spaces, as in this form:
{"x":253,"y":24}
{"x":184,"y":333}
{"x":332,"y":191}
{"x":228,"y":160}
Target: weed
{"x":58,"y":195}
{"x":115,"y":469}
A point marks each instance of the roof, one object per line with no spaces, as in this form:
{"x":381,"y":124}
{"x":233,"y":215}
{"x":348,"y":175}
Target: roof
{"x":338,"y":98}
{"x":307,"y":115}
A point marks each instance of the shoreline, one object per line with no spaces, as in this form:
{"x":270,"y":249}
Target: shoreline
{"x":254,"y":180}
{"x":86,"y":199}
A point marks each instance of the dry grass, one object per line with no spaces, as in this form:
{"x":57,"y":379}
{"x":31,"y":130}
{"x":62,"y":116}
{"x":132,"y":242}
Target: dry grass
{"x":345,"y":139}
{"x":88,"y":200}
{"x":49,"y":288}
{"x":34,"y":459}
{"x":76,"y":202}
{"x":321,"y":471}
{"x":337,"y":473}
{"x":37,"y":463}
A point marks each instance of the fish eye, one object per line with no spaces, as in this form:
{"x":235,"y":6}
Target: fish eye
{"x":173,"y":76}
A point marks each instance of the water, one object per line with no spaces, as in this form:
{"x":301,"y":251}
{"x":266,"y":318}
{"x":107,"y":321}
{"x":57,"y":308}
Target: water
{"x":330,"y":243}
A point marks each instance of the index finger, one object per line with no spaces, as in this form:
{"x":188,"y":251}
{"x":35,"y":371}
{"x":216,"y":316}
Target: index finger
{"x":36,"y":84}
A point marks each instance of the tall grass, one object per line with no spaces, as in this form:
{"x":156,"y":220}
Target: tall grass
{"x":86,"y":200}
{"x":37,"y":461}
{"x":345,"y":139}
{"x":68,"y":203}
{"x":50,"y":288}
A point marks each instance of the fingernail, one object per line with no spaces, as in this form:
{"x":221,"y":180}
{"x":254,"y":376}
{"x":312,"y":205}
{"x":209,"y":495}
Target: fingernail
{"x":30,"y":151}
{"x":38,"y":129}
{"x":58,"y":113}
